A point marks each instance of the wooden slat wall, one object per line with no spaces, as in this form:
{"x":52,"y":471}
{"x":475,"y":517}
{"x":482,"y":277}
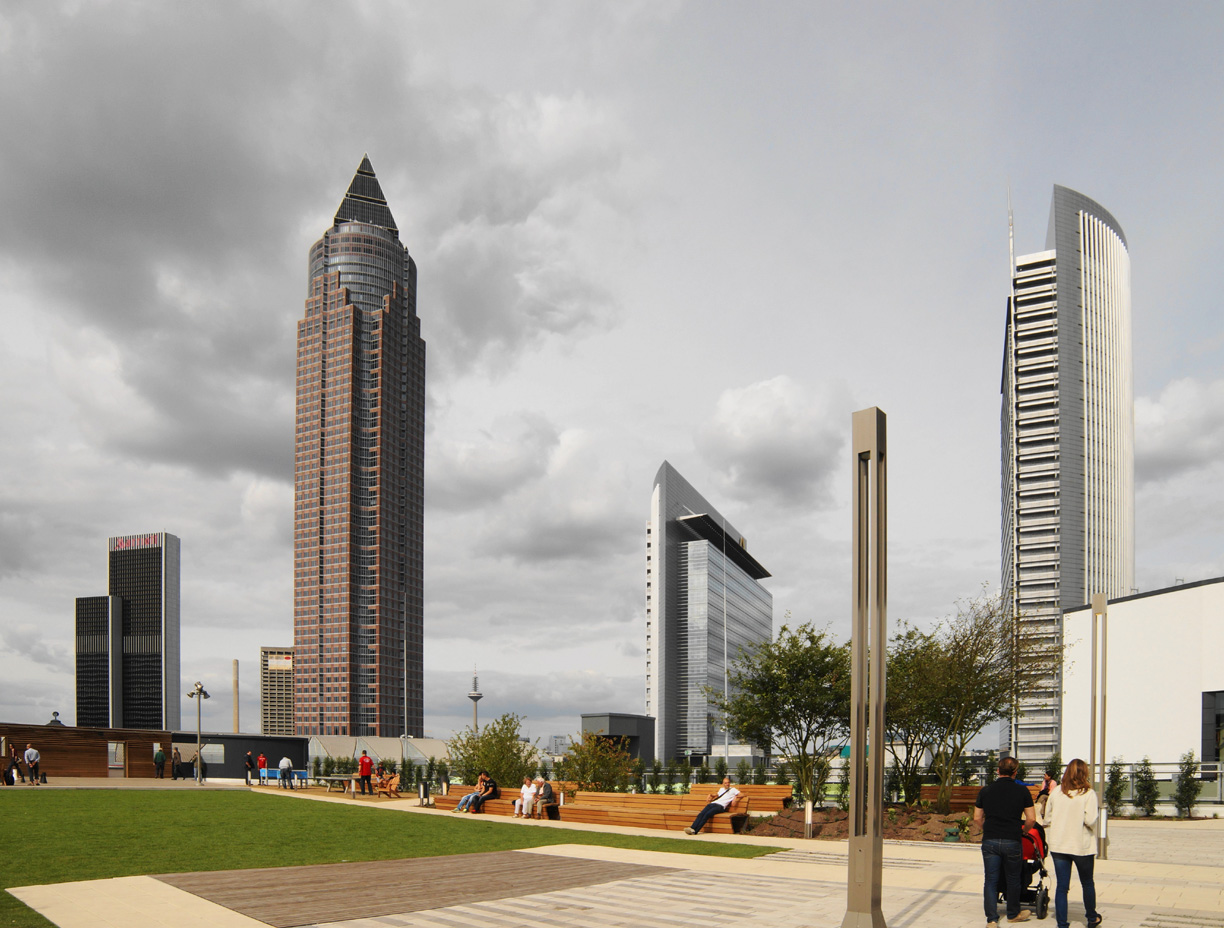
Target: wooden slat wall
{"x":81,"y":752}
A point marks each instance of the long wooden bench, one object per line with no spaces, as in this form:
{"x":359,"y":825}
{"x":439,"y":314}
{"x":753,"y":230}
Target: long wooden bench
{"x":654,"y":810}
{"x":766,"y":797}
{"x":964,"y":798}
{"x":502,"y":806}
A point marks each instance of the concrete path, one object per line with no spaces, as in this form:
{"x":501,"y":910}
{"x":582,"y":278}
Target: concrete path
{"x":1159,"y":875}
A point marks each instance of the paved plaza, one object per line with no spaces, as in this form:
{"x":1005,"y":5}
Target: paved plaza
{"x":1159,"y":875}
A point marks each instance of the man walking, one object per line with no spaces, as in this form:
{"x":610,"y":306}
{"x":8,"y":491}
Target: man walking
{"x":159,"y":764}
{"x":365,"y":768}
{"x":1001,"y":807}
{"x":718,"y":802}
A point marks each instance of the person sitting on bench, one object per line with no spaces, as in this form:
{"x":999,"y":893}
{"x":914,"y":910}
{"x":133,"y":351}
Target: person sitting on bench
{"x":466,"y":802}
{"x":718,"y":802}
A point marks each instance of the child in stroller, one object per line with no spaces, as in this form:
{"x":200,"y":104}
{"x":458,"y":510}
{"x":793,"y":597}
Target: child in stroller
{"x":1034,"y":850}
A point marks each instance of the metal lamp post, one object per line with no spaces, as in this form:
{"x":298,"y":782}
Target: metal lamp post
{"x":868,"y":645}
{"x":199,"y":694}
{"x":1100,"y":610}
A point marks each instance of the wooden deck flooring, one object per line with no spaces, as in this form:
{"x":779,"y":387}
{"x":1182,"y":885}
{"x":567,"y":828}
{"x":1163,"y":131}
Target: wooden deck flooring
{"x":286,"y":897}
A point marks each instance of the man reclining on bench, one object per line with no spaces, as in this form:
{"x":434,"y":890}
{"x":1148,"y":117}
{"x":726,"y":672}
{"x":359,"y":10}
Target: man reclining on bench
{"x":718,"y":802}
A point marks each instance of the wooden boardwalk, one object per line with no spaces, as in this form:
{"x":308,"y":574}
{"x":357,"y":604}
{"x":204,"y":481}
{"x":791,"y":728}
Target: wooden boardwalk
{"x":286,"y":897}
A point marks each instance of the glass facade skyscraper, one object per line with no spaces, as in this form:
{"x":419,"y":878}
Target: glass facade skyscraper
{"x":703,"y":605}
{"x":127,"y":643}
{"x":359,"y":479}
{"x":1068,"y":487}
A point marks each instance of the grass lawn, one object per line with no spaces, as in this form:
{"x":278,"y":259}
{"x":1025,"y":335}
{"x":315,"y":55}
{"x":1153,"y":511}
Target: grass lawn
{"x":59,"y":835}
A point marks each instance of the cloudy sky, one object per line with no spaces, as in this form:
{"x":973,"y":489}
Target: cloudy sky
{"x":697,"y":232}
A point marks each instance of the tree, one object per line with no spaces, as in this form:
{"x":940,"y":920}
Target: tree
{"x":743,"y":771}
{"x":843,"y":785}
{"x":987,"y":659}
{"x":791,"y":694}
{"x":1115,"y":787}
{"x":720,"y":769}
{"x":911,"y":718}
{"x":656,"y":776}
{"x":1146,"y":791}
{"x":498,"y":748}
{"x":1188,"y":785}
{"x":639,"y":774}
{"x":670,"y":773}
{"x":598,"y":763}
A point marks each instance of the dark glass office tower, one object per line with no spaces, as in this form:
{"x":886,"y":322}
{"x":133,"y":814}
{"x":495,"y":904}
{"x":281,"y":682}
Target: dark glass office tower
{"x":127,"y":643}
{"x":359,"y":479}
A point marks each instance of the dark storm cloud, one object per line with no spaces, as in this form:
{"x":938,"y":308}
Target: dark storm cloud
{"x":772,"y":441}
{"x":162,"y":170}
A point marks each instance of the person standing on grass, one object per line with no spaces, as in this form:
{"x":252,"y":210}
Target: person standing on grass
{"x":365,"y":769}
{"x":1070,"y":818}
{"x":1001,"y":807}
{"x":249,"y":763}
{"x":159,"y":764}
{"x":32,"y":757}
{"x":719,"y":801}
{"x":261,"y":763}
{"x":286,"y":773}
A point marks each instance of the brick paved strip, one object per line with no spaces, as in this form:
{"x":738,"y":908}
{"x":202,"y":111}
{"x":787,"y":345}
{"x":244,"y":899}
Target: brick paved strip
{"x":286,"y":897}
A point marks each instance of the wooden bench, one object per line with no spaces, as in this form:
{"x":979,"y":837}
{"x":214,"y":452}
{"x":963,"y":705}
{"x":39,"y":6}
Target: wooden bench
{"x":766,"y":797}
{"x":501,"y":806}
{"x":654,"y":810}
{"x":964,"y":798}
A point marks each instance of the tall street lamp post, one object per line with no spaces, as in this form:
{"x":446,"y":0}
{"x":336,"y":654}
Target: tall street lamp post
{"x":199,"y":694}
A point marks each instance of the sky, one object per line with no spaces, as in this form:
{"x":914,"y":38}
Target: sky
{"x":697,"y":232}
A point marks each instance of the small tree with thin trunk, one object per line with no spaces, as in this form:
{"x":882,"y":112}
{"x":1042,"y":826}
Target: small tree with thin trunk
{"x":1115,"y":787}
{"x":792,"y":693}
{"x":1188,"y":785}
{"x":1146,"y":791}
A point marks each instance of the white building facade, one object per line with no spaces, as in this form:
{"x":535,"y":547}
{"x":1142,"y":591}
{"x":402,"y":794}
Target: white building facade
{"x":1164,"y":679}
{"x":704,"y":603}
{"x":1068,"y":514}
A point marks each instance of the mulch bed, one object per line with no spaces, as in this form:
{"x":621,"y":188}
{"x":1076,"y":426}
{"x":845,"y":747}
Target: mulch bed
{"x":900,"y":824}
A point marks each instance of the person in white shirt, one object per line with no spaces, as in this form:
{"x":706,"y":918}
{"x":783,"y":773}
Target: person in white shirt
{"x":527,"y":792}
{"x":719,"y":802}
{"x":1070,"y":819}
{"x":32,"y":757}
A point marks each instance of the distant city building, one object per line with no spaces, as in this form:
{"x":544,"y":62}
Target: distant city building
{"x":359,"y":479}
{"x":127,"y":643}
{"x":276,"y":691}
{"x":1068,"y":438}
{"x":703,"y":604}
{"x":558,"y":744}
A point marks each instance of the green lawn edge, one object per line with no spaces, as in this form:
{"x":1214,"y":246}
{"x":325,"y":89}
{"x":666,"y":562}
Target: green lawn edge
{"x":61,"y":835}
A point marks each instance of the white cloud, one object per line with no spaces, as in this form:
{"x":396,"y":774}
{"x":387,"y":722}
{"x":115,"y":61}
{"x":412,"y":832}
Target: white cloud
{"x":778,"y":441}
{"x":1180,"y":430}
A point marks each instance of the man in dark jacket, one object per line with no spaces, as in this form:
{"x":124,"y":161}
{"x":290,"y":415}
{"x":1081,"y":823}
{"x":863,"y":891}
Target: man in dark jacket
{"x":544,"y":797}
{"x":1001,"y":808}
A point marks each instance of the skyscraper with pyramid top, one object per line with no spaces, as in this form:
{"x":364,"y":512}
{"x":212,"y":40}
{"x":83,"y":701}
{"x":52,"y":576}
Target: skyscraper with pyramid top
{"x":359,"y":479}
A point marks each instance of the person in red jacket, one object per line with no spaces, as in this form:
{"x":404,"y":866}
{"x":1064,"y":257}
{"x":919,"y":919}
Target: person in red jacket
{"x":365,"y":767}
{"x":261,"y":764}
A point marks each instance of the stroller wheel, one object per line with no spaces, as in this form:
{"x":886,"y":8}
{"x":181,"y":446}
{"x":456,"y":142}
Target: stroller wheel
{"x":1043,"y":902}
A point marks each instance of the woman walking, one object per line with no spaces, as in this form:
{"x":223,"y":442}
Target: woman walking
{"x":1070,"y":820}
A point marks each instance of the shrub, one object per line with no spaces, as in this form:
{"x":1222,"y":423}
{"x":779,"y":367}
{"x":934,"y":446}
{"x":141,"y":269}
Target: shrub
{"x":758,"y":775}
{"x":720,"y":769}
{"x":1115,"y":787}
{"x":656,"y":776}
{"x":843,"y":786}
{"x":1146,"y":791}
{"x":703,"y":773}
{"x":1188,"y":785}
{"x":782,"y":774}
{"x":670,"y":773}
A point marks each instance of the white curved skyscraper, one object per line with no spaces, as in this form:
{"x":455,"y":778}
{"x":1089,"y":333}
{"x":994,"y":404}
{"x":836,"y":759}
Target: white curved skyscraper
{"x":1068,"y":435}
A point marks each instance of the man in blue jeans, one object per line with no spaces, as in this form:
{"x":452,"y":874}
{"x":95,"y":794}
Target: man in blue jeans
{"x":1001,"y":807}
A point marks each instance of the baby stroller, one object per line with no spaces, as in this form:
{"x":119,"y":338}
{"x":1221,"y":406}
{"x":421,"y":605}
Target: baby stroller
{"x":1033,"y":849}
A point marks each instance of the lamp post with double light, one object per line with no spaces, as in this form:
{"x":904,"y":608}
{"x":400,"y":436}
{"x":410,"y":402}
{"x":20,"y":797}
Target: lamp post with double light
{"x":199,"y":694}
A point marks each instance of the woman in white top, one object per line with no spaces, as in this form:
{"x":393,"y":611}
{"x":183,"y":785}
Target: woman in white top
{"x":1070,"y":820}
{"x":522,"y":805}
